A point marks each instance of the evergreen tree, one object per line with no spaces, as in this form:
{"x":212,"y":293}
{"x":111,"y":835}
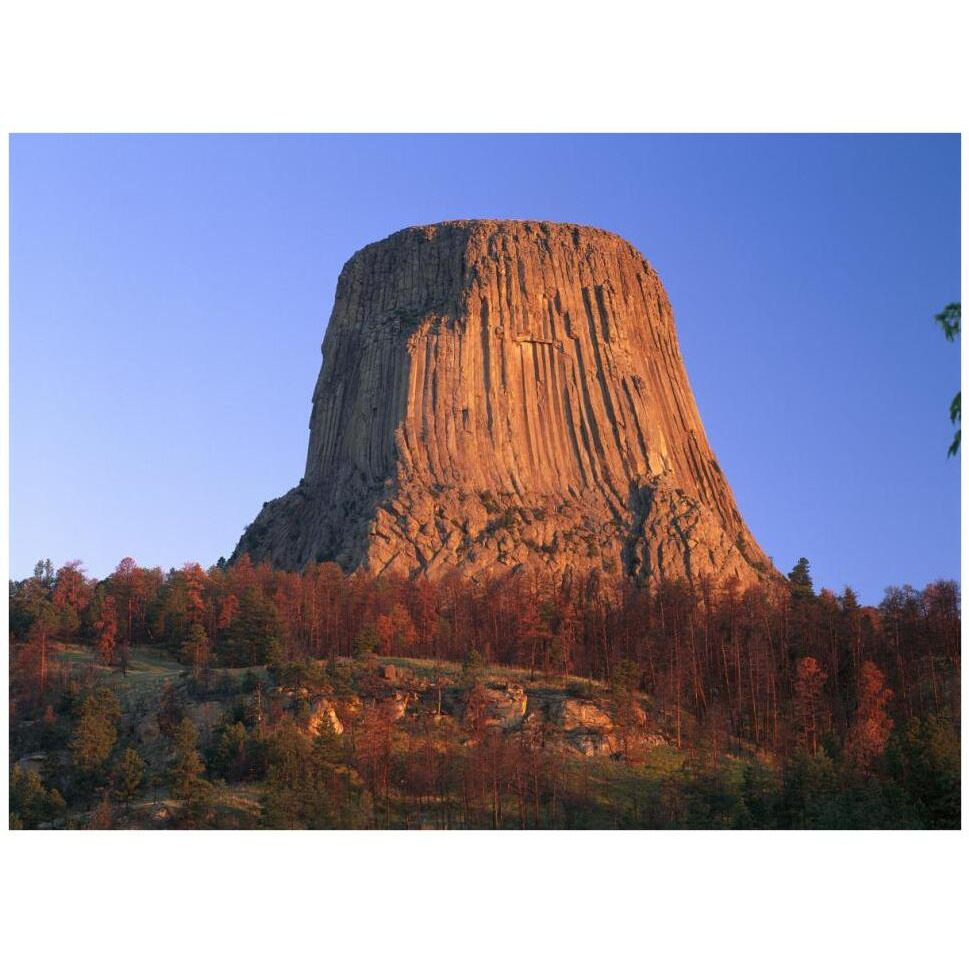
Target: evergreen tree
{"x":31,"y":803}
{"x":366,"y":642}
{"x":94,"y":734}
{"x":327,"y":746}
{"x":800,"y":579}
{"x":231,"y":753}
{"x":170,"y":711}
{"x":187,"y":766}
{"x":129,"y":774}
{"x":253,"y":629}
{"x":471,"y":668}
{"x":195,"y":649}
{"x":929,"y":766}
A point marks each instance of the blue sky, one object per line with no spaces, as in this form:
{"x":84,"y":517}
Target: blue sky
{"x":169,"y":295}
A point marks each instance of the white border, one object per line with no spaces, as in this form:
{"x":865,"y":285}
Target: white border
{"x":698,"y":898}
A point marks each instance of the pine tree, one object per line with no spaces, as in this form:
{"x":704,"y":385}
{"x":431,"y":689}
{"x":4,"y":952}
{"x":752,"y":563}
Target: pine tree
{"x":170,"y":711}
{"x":195,"y":649}
{"x":327,"y":746}
{"x":800,"y":579}
{"x":187,"y":768}
{"x":471,"y":668}
{"x":94,"y":734}
{"x":130,"y":774}
{"x":231,"y":755}
{"x":366,"y":641}
{"x":31,"y":803}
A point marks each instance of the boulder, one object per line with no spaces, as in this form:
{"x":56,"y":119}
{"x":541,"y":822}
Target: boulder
{"x":349,"y":707}
{"x":323,"y":710}
{"x":395,"y":705}
{"x":500,"y":705}
{"x":572,"y":714}
{"x":592,"y":742}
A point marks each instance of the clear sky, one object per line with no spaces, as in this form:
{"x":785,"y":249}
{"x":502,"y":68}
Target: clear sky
{"x":169,"y":295}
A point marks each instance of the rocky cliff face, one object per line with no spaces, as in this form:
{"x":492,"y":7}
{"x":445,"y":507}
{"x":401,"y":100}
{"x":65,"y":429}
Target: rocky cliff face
{"x":498,"y":395}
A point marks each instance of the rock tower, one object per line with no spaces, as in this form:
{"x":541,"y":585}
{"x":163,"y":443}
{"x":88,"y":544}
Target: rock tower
{"x":498,"y":395}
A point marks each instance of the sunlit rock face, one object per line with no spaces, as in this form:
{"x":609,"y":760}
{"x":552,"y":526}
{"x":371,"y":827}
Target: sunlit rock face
{"x":498,"y":395}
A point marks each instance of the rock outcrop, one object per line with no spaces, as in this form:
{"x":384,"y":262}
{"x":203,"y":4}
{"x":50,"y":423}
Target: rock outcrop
{"x":497,"y":395}
{"x":322,"y":712}
{"x":502,"y":705}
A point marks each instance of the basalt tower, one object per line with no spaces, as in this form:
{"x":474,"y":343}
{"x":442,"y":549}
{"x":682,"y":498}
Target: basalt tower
{"x":498,"y":395}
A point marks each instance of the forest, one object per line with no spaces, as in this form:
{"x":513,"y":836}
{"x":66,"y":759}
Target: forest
{"x":243,"y":696}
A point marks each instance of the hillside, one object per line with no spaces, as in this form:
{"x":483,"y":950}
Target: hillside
{"x":321,"y":699}
{"x":395,"y":743}
{"x":409,"y":718}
